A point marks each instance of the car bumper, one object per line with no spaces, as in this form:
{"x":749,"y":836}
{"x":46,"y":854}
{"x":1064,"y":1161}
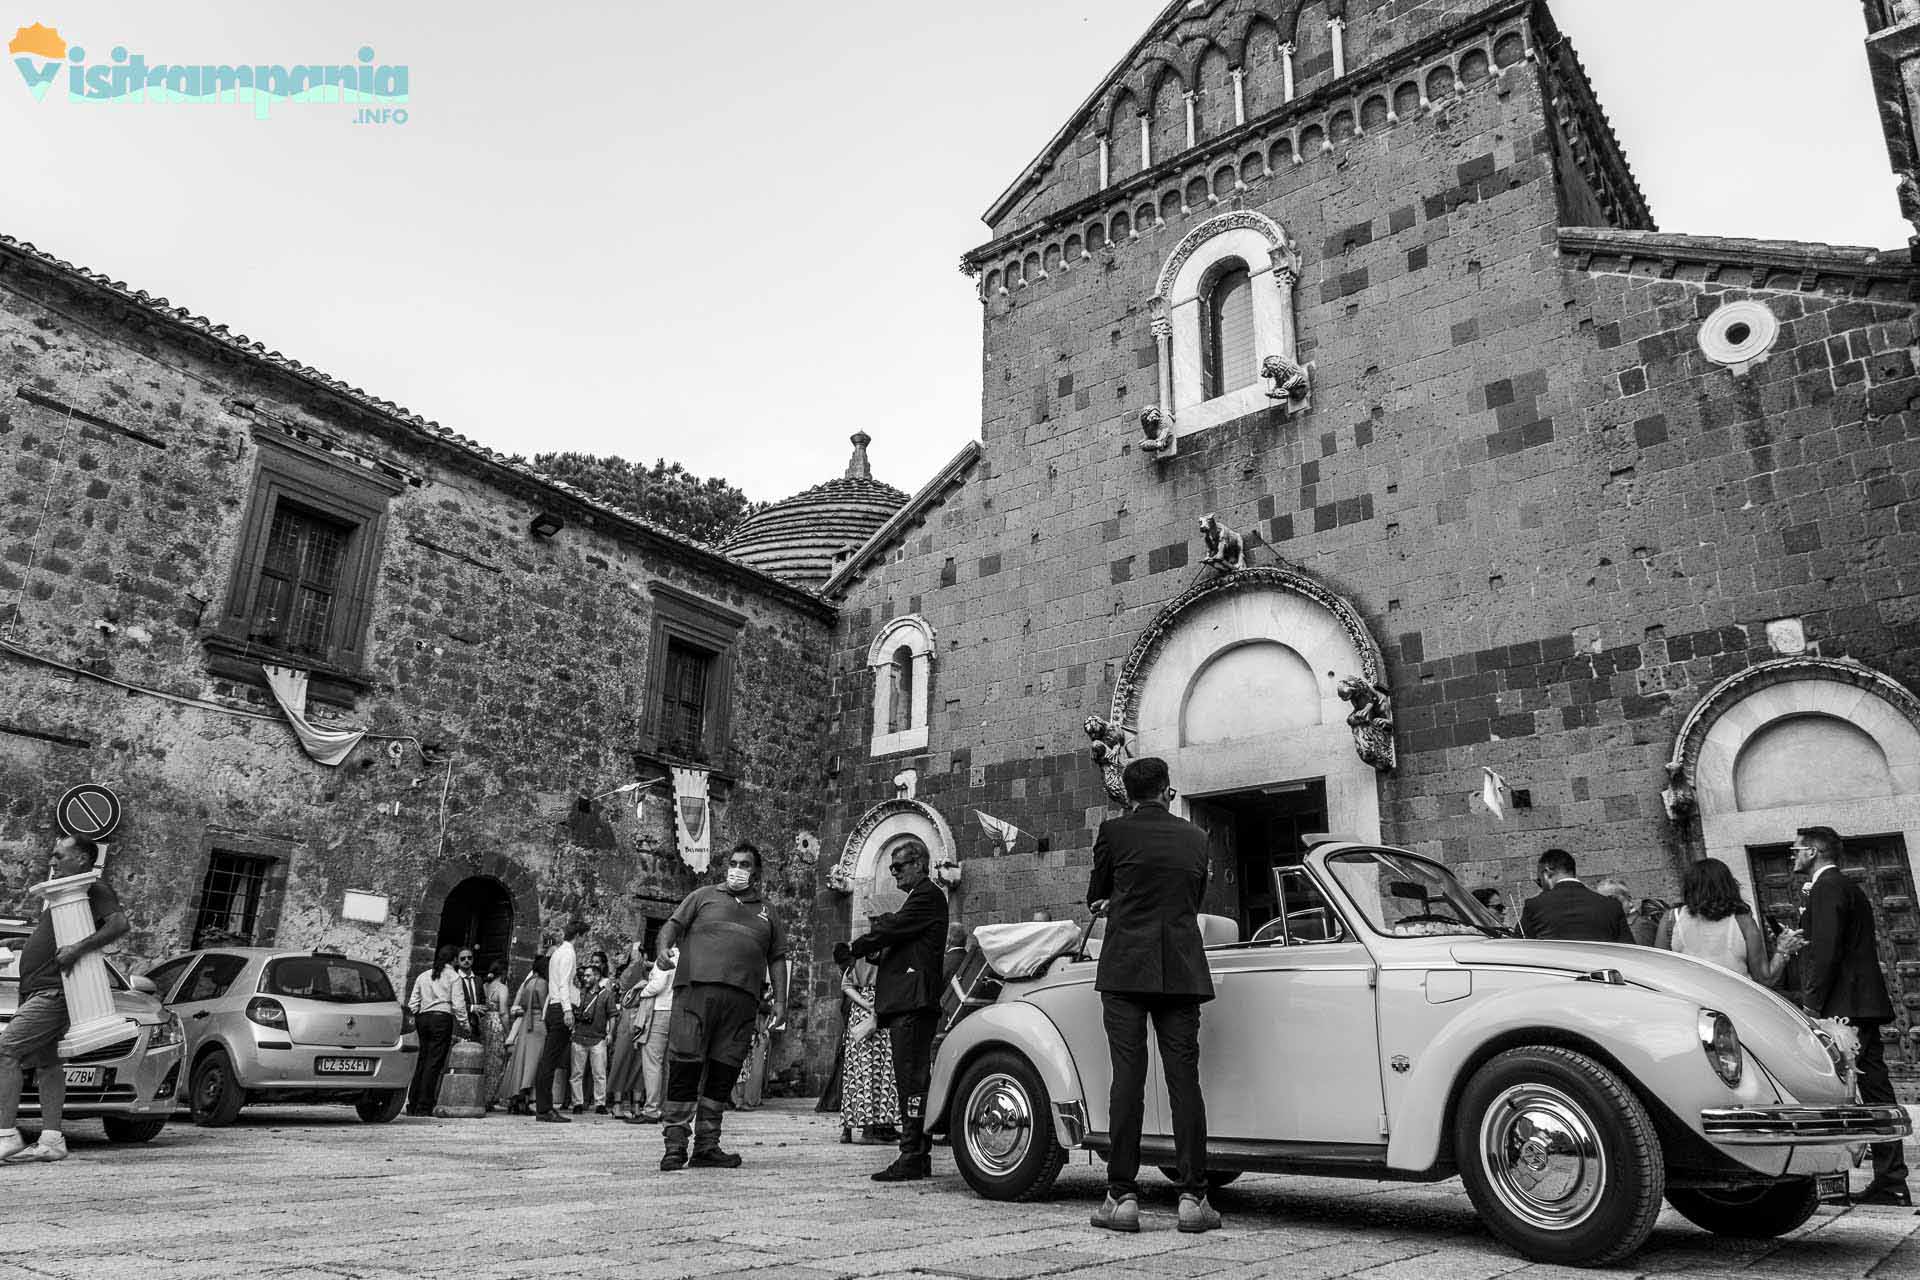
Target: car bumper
{"x":141,"y":1084}
{"x":1795,"y":1126}
{"x":296,"y":1068}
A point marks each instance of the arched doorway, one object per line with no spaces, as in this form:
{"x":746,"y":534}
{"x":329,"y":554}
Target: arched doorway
{"x":863,"y":863}
{"x":1806,"y":741}
{"x":478,"y":913}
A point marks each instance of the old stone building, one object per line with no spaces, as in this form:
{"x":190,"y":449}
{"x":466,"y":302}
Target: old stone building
{"x":186,"y":510}
{"x":1630,"y":518}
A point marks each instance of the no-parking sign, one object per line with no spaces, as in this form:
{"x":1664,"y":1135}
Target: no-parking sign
{"x":89,"y":811}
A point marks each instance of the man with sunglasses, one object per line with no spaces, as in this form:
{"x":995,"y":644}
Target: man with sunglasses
{"x":906,"y":997}
{"x":730,"y":940}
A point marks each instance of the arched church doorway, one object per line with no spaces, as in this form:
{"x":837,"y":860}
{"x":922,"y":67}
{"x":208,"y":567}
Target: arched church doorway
{"x":1236,"y":685}
{"x":1801,"y":742}
{"x":478,"y":913}
{"x":882,"y":829}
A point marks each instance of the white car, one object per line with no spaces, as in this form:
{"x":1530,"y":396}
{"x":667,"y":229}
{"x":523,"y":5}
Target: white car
{"x":1386,"y":1026}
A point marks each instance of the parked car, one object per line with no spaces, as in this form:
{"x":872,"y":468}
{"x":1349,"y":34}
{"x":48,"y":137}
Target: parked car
{"x":129,"y":1087}
{"x":1384,"y":1025}
{"x":269,"y":1025}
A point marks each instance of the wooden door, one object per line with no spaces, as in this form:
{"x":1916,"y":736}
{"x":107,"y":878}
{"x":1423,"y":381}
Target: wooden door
{"x":1880,"y":866}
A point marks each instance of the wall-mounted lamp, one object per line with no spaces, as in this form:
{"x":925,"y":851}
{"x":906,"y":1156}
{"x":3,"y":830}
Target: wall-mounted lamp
{"x":546,"y":524}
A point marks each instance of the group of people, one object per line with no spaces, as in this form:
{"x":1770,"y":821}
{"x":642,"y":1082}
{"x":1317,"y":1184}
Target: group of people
{"x":1840,"y":977}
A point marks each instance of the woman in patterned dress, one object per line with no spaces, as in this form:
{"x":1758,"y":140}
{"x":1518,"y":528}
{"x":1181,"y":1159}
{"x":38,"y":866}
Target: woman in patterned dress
{"x":495,"y":1005}
{"x":868,"y":1100}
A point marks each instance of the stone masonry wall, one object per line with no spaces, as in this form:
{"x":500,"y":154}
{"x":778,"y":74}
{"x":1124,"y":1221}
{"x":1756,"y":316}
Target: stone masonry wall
{"x":523,"y":660}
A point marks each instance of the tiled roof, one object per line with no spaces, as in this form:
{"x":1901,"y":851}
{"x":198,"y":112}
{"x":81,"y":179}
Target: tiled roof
{"x":422,"y":427}
{"x":801,"y":538}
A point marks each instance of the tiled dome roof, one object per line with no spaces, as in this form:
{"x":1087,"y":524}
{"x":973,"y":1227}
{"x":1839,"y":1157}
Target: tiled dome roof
{"x":800,"y":538}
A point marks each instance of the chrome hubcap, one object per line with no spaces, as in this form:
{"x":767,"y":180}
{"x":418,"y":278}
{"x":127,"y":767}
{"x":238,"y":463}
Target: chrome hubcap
{"x":999,"y":1126}
{"x":1543,"y":1156}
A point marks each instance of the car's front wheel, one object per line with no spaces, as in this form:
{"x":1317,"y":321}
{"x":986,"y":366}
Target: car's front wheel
{"x":128,"y":1129}
{"x":1001,"y":1123}
{"x":1752,"y":1213}
{"x":381,"y":1106}
{"x":1560,"y":1158}
{"x":217,"y":1095}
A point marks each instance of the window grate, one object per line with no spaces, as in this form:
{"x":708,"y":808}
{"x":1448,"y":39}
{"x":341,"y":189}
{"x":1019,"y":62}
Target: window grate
{"x":299,"y":580}
{"x":230,"y":899}
{"x":683,"y":716}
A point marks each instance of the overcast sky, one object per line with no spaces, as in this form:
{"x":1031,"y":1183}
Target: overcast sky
{"x":730,"y":235}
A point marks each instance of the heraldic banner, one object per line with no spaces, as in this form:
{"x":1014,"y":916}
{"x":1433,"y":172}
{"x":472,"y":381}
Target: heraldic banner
{"x":693,"y":817}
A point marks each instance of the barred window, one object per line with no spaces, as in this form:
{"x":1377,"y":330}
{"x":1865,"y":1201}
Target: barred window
{"x":230,"y":899}
{"x":683,"y":717}
{"x":293,"y":602}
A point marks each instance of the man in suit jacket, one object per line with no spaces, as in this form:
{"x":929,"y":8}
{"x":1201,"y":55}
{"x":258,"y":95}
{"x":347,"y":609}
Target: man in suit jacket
{"x":1149,"y":872}
{"x":1566,"y":909}
{"x":906,"y":998}
{"x":1844,"y":981}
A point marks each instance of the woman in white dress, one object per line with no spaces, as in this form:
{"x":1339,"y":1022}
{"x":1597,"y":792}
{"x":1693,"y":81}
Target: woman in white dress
{"x":1714,"y":924}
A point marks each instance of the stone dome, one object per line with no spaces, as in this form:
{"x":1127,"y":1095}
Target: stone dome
{"x":802,"y":538}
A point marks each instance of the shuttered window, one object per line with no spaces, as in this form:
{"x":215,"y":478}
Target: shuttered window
{"x":1230,"y":360}
{"x":683,"y":714}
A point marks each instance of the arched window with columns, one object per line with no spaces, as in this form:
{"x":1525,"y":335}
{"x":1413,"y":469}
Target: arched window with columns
{"x":901,"y":660}
{"x":1212,"y":332}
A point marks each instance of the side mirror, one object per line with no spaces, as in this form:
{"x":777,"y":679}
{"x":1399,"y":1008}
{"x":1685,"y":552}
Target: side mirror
{"x":143,"y":985}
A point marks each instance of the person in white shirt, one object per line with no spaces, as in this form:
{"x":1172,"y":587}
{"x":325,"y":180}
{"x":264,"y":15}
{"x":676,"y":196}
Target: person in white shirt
{"x":653,"y":1044}
{"x":557,"y":1054}
{"x":439,"y":1000}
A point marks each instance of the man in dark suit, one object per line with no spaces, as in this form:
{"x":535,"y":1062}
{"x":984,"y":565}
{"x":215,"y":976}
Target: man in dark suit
{"x":906,"y":998}
{"x":1149,"y":872}
{"x":1844,"y":981}
{"x":1567,"y":910}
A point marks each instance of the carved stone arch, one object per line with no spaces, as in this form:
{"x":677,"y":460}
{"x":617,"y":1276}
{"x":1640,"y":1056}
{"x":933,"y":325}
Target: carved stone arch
{"x":916,"y":635}
{"x":1280,"y":250}
{"x":1121,"y":96}
{"x":1233,"y":37}
{"x":1159,"y":62}
{"x":1684,"y":766}
{"x":877,"y":829}
{"x":520,"y":885}
{"x":1194,"y":52}
{"x":1146,"y":649}
{"x":1288,"y":17}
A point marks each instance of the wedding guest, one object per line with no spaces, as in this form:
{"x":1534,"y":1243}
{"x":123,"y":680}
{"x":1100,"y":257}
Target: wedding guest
{"x":591,"y":1020}
{"x":439,"y":1000}
{"x":656,"y":1012}
{"x":526,"y":1037}
{"x":625,"y":1085}
{"x":496,"y":1006}
{"x":1713,"y":923}
{"x":869,"y":1103}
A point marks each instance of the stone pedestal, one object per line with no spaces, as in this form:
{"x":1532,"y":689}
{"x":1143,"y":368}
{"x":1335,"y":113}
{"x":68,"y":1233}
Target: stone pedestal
{"x":460,"y":1089}
{"x":94,"y":1023}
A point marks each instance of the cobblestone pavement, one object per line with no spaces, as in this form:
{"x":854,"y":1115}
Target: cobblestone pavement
{"x":295,"y":1194}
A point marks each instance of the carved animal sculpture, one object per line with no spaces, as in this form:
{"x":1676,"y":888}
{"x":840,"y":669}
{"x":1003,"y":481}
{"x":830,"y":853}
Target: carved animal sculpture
{"x":1156,"y":429}
{"x":1371,"y":720}
{"x":1289,"y":379}
{"x":1109,"y":740}
{"x":1225,"y":550}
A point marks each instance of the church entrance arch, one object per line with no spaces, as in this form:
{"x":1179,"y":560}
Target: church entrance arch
{"x":478,"y":913}
{"x":1236,"y":687}
{"x":863,"y":862}
{"x":490,"y":904}
{"x":1801,"y":742}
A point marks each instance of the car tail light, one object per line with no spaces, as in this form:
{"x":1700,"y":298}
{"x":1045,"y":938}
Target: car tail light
{"x":1722,"y":1046}
{"x":267,"y":1013}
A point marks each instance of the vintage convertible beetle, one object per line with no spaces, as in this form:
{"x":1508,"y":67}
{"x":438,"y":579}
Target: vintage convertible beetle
{"x":1385,"y":1026}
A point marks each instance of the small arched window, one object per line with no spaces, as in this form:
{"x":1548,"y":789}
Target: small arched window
{"x":900,"y":699}
{"x":1228,"y":335}
{"x":901,"y":660}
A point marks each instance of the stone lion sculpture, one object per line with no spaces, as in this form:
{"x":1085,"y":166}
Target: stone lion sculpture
{"x":1371,"y":720}
{"x":1289,"y":379}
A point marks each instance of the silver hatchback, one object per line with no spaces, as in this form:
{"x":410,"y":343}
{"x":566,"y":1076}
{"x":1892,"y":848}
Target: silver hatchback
{"x":267,"y":1025}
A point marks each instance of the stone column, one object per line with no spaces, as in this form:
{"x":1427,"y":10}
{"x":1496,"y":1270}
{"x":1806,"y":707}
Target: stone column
{"x":1193,"y":121}
{"x":1106,"y":162}
{"x":1337,"y":27}
{"x":1163,"y":339}
{"x":1239,"y":96}
{"x":1286,"y":70}
{"x":1146,"y":141}
{"x":94,"y":1024}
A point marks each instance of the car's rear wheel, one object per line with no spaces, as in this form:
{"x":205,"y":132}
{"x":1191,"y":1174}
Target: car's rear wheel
{"x":217,"y":1095}
{"x":1753,"y":1213}
{"x":381,"y":1105}
{"x":128,"y":1129}
{"x":1216,"y":1178}
{"x":1001,"y":1124}
{"x":1560,"y":1158}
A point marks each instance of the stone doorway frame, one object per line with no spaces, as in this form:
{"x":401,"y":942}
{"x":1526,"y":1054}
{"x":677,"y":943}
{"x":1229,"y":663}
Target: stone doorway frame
{"x":877,"y":828}
{"x":521,"y":887}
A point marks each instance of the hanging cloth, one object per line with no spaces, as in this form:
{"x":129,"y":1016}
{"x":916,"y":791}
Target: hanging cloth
{"x":693,"y":817}
{"x":328,"y":746}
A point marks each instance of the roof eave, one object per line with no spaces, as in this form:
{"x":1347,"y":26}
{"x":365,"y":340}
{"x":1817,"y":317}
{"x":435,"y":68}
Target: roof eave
{"x":948,"y":476}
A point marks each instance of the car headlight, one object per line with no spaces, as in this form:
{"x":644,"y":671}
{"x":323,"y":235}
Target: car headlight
{"x":1722,"y":1046}
{"x":167,"y":1033}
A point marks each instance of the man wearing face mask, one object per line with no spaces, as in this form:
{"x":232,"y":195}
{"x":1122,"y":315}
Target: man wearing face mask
{"x":906,"y":997}
{"x":728,"y":939}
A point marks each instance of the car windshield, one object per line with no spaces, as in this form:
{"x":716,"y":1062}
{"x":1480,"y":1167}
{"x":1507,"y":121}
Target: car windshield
{"x":1408,"y":897}
{"x":333,"y":979}
{"x":10,"y":964}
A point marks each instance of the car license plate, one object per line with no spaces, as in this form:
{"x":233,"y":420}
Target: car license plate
{"x":1831,"y":1187}
{"x":343,"y":1066}
{"x":83,"y":1077}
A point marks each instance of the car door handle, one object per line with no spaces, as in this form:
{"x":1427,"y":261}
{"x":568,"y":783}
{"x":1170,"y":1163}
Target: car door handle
{"x":199,"y":1015}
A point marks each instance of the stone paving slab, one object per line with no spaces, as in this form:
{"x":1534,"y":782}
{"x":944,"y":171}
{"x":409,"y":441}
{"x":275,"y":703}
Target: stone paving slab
{"x":313,"y":1194}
